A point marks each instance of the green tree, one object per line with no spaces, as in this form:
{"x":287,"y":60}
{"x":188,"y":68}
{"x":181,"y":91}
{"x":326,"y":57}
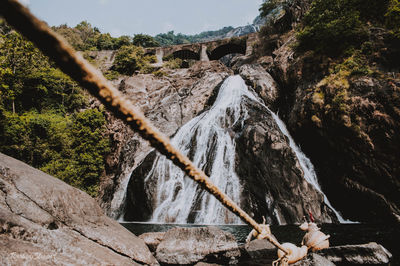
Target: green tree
{"x":268,"y":6}
{"x":87,"y":33}
{"x":17,"y":57}
{"x":144,"y":40}
{"x":121,"y":41}
{"x":105,"y":42}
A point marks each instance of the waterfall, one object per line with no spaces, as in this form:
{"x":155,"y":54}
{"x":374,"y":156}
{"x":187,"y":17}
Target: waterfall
{"x":207,"y":140}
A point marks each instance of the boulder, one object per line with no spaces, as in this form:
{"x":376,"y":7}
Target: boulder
{"x":152,"y":239}
{"x":261,"y":81}
{"x":260,"y":248}
{"x":371,"y":253}
{"x":192,"y":245}
{"x":44,"y":220}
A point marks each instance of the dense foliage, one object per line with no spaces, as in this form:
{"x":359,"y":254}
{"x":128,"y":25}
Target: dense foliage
{"x":85,"y":37}
{"x":170,"y":38}
{"x":334,"y":26}
{"x":144,"y":40}
{"x":44,"y":120}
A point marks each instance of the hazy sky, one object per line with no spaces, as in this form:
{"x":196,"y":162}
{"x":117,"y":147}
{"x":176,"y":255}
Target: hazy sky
{"x":127,"y":17}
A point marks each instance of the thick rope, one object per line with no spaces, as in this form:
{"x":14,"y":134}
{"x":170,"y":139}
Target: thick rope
{"x":90,"y":78}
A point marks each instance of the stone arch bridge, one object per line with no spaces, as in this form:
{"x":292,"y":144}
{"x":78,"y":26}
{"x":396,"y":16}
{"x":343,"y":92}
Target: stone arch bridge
{"x":206,"y":51}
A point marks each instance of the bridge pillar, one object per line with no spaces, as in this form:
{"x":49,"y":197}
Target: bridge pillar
{"x":251,"y":40}
{"x":159,"y":55}
{"x":203,"y":54}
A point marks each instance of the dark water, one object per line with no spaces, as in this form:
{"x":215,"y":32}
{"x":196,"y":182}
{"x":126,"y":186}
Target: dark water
{"x":341,"y":234}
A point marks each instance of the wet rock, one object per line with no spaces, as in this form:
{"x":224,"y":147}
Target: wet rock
{"x":45,"y":220}
{"x":259,"y":248}
{"x":314,"y":259}
{"x":192,"y":245}
{"x":261,"y":81}
{"x":371,"y":253}
{"x":152,"y":239}
{"x":272,"y":178}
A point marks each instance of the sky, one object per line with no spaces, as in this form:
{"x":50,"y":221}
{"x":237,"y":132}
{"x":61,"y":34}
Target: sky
{"x":129,"y":17}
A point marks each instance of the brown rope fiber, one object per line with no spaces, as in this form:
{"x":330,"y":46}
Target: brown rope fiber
{"x":88,"y":77}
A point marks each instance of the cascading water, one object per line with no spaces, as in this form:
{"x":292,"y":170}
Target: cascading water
{"x":208,"y":141}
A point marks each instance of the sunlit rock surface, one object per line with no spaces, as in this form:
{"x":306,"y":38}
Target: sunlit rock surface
{"x":44,"y":220}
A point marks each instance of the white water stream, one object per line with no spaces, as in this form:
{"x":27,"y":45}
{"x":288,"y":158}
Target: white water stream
{"x":307,"y":166}
{"x":208,"y":142}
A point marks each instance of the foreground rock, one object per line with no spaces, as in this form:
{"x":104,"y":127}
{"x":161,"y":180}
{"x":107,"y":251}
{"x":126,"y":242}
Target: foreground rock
{"x":152,"y":239}
{"x":192,"y":245}
{"x":314,"y":260}
{"x":261,"y":252}
{"x":45,"y":221}
{"x":371,"y":253}
{"x":259,"y":248}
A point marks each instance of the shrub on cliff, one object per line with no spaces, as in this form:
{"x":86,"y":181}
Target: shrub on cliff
{"x":130,"y":59}
{"x":173,"y":63}
{"x":393,"y":17}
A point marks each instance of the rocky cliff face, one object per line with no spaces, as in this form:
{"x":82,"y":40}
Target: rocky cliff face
{"x":356,"y":152}
{"x":273,"y":181}
{"x":352,"y":138}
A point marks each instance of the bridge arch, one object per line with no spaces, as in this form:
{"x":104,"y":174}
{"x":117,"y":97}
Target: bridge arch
{"x":186,"y":55}
{"x":149,"y":53}
{"x":225,"y":49}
